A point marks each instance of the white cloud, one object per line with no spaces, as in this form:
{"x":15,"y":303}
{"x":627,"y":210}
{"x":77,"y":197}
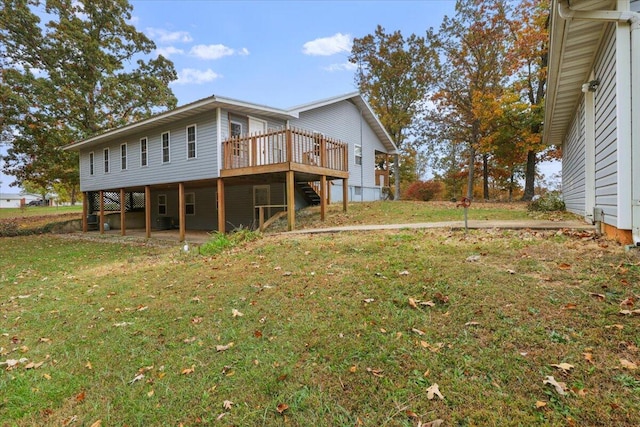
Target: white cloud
{"x":345,"y":66}
{"x":193,"y":76}
{"x":168,"y":51}
{"x":212,"y":51}
{"x":326,"y":46}
{"x":163,"y":36}
{"x":243,"y":52}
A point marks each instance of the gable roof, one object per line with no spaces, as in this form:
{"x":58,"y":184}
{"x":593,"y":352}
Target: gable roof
{"x":213,"y":102}
{"x":572,"y":51}
{"x":367,"y":112}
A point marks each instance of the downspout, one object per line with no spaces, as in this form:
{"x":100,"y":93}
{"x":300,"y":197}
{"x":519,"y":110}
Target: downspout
{"x":628,"y":154}
{"x":361,"y":161}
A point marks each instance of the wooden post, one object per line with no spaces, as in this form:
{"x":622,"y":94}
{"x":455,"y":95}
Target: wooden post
{"x":147,"y":211}
{"x":345,"y":194}
{"x":254,"y":152}
{"x":101,"y":225}
{"x":291,"y":201}
{"x":123,"y":209}
{"x":289,"y":141}
{"x":85,"y":211}
{"x":261,"y":218}
{"x":323,"y":197}
{"x":323,"y":152}
{"x":181,"y":210}
{"x":221,"y":208}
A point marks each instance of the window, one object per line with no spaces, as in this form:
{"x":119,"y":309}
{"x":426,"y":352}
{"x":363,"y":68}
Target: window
{"x":357,"y":191}
{"x":165,"y":148}
{"x":106,"y":160}
{"x":191,"y":142}
{"x":236,"y":129}
{"x":162,"y":204}
{"x":190,"y":203}
{"x":91,"y":163}
{"x":358,"y":154}
{"x":143,"y":152}
{"x":123,"y":157}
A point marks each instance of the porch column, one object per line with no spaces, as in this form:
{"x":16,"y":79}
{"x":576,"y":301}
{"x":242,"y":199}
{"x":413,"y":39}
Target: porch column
{"x":323,"y":197}
{"x":123,"y":206}
{"x":291,"y":201}
{"x":345,"y":194}
{"x":147,"y":211}
{"x":396,"y":176}
{"x":101,"y":225}
{"x":181,"y":210}
{"x":221,"y":208}
{"x":85,"y":211}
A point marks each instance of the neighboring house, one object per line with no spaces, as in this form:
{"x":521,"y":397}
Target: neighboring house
{"x":16,"y":200}
{"x":220,"y":163}
{"x":593,"y":87}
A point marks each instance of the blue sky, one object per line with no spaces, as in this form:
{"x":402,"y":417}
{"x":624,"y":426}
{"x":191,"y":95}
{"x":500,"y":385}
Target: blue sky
{"x":278,"y":53}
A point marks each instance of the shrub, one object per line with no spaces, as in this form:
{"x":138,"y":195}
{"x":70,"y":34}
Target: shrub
{"x":219,"y":241}
{"x":550,"y":202}
{"x":424,"y":190}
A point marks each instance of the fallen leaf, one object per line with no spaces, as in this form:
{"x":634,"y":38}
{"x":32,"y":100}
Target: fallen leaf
{"x":88,"y":365}
{"x":81,"y":396}
{"x":412,"y":303}
{"x":434,"y":391}
{"x":150,"y":393}
{"x":121,"y":324}
{"x":417,"y":331}
{"x":403,"y":273}
{"x":142,"y":308}
{"x":629,"y":302}
{"x":616,"y":326}
{"x":428,"y":303}
{"x":560,"y":387}
{"x":188,"y":371}
{"x":224,"y":347}
{"x":46,"y":376}
{"x":236,"y":313}
{"x":434,"y":423}
{"x":570,"y":306}
{"x":369,"y":300}
{"x":564,"y":266}
{"x":540,"y":404}
{"x":282,"y":407}
{"x":227,"y":404}
{"x":599,"y":297}
{"x":473,"y":258}
{"x":98,"y":423}
{"x":441,"y":298}
{"x":257,"y":334}
{"x":353,"y":369}
{"x":412,"y":415}
{"x":221,"y":416}
{"x":376,"y":372}
{"x":47,"y":340}
{"x":627,"y":364}
{"x":588,"y":357}
{"x":197,"y":320}
{"x":472,"y":324}
{"x":564,"y":367}
{"x":136,"y":378}
{"x":635,"y":312}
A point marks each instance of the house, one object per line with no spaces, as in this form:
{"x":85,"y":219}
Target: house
{"x":593,"y":110}
{"x":220,"y":163}
{"x":16,"y":200}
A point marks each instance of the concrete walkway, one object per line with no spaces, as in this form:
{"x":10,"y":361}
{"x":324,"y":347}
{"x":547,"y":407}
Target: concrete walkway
{"x":458,"y":225}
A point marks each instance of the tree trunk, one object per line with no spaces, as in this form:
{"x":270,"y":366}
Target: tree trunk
{"x":396,"y":176}
{"x":485,"y":176}
{"x":511,"y":188}
{"x":472,"y":167}
{"x":530,"y":177}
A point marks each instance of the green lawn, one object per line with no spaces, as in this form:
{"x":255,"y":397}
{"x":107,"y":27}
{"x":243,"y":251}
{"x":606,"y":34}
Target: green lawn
{"x":340,"y":329}
{"x":31,"y":211}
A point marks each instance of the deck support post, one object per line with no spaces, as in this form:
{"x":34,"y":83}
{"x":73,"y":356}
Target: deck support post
{"x":323,"y":197}
{"x":101,"y":225}
{"x":181,"y":212}
{"x":85,"y":211}
{"x":123,"y":206}
{"x":345,"y":194}
{"x":291,"y":201}
{"x":147,"y":211}
{"x":221,"y":207}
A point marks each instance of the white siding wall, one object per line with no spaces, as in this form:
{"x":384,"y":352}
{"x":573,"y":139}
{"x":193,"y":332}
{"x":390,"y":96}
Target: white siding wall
{"x":606,"y":129}
{"x":342,"y":121}
{"x":573,"y":165}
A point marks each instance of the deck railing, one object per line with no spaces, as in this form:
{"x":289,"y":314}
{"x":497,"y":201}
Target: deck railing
{"x":286,"y":145}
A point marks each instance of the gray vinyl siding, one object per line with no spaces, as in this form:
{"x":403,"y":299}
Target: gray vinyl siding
{"x":635,"y":5}
{"x":573,"y":164}
{"x":606,"y":130}
{"x":228,"y":116}
{"x":343,"y":121}
{"x":179,"y":169}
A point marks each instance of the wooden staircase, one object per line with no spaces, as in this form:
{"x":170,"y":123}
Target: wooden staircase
{"x":309,"y":193}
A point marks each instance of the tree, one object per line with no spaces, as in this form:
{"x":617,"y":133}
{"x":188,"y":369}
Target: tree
{"x":473,"y":44}
{"x":77,"y":74}
{"x":529,"y":56}
{"x":394,"y":74}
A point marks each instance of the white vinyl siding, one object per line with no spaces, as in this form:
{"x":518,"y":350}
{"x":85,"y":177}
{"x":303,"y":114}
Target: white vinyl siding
{"x":191,"y":142}
{"x":166,"y":147}
{"x":573,"y":165}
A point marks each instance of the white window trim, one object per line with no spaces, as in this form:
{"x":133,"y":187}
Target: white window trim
{"x":125,"y":157}
{"x":146,"y":151}
{"x":186,"y":196}
{"x":106,"y":160}
{"x":163,"y":204}
{"x":92,"y":163}
{"x":168,"y":133}
{"x":195,"y":141}
{"x":355,"y":154}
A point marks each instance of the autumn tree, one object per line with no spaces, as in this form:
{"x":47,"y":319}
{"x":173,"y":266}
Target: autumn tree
{"x":81,"y":71}
{"x":473,"y":45}
{"x":395,"y":73}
